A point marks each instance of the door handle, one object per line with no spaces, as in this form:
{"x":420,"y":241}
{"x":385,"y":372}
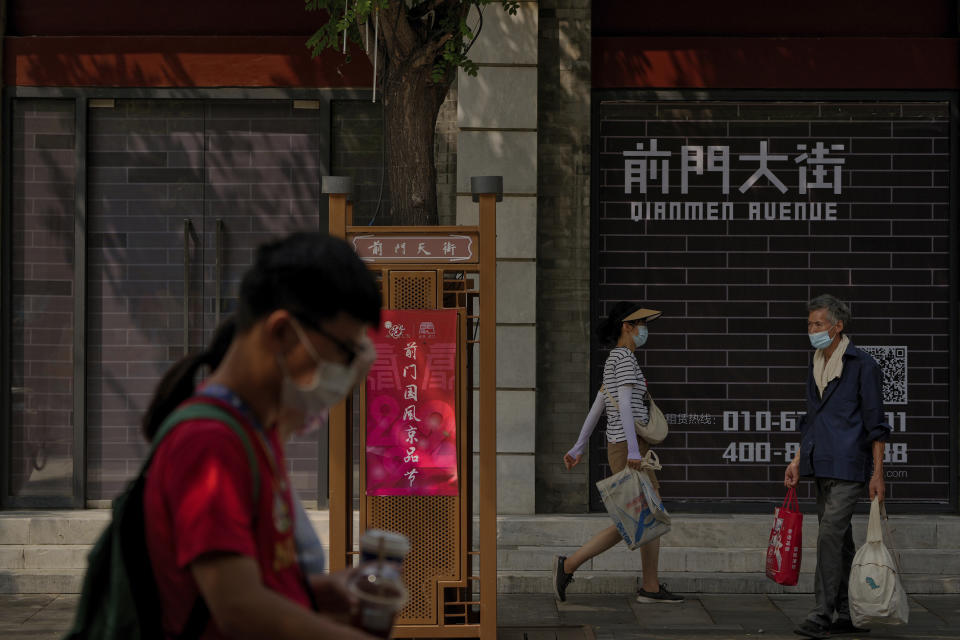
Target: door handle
{"x":186,"y":285}
{"x":218,"y":272}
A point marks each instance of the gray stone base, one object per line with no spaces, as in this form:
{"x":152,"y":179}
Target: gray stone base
{"x":45,"y":552}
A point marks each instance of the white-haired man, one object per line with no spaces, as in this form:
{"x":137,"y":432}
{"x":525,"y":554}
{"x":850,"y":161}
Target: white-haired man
{"x":842,"y":450}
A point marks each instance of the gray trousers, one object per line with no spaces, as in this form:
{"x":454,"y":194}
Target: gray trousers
{"x":835,"y":502}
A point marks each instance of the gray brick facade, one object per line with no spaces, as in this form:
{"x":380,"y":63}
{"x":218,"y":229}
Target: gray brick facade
{"x":42,"y":314}
{"x":731,"y":349}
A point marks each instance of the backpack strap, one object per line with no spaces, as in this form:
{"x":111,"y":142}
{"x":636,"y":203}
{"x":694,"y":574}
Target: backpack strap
{"x":209,"y":411}
{"x":200,"y":614}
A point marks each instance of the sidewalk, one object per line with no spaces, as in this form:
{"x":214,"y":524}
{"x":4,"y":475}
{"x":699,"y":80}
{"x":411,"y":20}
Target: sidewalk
{"x":756,"y":617}
{"x":588,"y":617}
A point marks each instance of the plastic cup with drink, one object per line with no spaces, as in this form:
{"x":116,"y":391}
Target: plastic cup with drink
{"x":377,"y":582}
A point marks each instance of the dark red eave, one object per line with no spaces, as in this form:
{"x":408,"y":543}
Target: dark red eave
{"x":775,"y":63}
{"x":179,"y":61}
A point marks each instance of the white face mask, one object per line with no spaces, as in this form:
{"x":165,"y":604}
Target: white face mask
{"x":330,"y":384}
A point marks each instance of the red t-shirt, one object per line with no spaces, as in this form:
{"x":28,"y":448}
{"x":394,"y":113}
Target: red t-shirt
{"x":199,"y":499}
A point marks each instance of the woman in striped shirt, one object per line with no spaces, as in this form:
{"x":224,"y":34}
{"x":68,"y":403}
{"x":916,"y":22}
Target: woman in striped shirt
{"x":624,"y":384}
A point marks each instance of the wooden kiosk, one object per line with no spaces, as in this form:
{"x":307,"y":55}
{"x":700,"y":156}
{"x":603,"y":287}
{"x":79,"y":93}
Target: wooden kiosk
{"x":451,"y":575}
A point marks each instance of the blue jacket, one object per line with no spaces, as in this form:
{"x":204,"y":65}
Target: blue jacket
{"x":839,"y":429}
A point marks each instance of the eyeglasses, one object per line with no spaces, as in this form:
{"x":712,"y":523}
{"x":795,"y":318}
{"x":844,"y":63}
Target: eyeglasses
{"x":351,"y":351}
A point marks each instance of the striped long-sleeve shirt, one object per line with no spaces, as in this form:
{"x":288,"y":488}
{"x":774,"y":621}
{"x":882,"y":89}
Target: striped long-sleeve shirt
{"x":622,"y":368}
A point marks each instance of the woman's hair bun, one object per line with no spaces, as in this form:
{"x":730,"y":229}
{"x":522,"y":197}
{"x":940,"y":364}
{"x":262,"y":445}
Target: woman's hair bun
{"x":609,"y":328}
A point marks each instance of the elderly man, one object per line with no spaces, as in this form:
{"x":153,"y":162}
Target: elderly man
{"x":842,"y":449}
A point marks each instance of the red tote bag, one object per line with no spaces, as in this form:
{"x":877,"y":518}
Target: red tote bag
{"x":786,"y":544}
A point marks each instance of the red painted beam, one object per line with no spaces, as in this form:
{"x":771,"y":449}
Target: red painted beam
{"x":776,"y":63}
{"x":185,"y":61}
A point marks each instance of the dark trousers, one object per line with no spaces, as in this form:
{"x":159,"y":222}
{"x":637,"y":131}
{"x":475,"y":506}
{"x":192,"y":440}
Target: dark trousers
{"x":835,"y":502}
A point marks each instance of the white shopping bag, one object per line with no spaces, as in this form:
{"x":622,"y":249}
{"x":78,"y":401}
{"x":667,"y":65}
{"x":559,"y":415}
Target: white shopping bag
{"x":876,"y":593}
{"x":633,"y":504}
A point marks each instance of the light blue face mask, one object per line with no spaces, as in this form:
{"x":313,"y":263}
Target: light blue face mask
{"x":640,"y":337}
{"x":820,"y":339}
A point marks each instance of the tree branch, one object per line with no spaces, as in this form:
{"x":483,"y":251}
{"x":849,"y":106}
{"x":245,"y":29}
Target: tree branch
{"x":398,"y":37}
{"x":431,"y":49}
{"x":424,"y":8}
{"x":438,"y":38}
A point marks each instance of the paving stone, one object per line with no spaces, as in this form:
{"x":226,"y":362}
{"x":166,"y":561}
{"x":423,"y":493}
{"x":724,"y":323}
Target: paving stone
{"x":516,"y":609}
{"x":588,"y":609}
{"x":946,"y":607}
{"x":685,"y":614}
{"x":751,"y":613}
{"x":54,"y":616}
{"x":17,"y":632}
{"x":793,"y":607}
{"x":611,"y":617}
{"x":17,"y":608}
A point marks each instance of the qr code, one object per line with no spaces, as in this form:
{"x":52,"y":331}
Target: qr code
{"x":893,"y":363}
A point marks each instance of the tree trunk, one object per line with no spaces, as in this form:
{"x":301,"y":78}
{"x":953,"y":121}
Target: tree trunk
{"x":411,"y":103}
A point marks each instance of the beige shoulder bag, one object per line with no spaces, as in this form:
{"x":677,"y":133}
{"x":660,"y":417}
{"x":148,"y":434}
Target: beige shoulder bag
{"x":654,"y":431}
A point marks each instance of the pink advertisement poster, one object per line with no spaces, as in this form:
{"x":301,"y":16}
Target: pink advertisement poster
{"x":410,"y":396}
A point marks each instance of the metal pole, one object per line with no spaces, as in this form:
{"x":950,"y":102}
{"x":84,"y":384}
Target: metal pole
{"x":487,"y":190}
{"x":339,"y":430}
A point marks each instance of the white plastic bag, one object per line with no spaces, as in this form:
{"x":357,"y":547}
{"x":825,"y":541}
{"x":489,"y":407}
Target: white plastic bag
{"x":633,"y":504}
{"x":876,"y":593}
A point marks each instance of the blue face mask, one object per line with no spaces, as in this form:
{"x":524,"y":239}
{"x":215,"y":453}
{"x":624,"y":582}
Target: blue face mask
{"x":640,"y":337}
{"x":821,"y":339}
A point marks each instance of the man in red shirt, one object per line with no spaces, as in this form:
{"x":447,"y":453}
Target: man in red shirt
{"x":199,"y":501}
{"x":298,"y":345}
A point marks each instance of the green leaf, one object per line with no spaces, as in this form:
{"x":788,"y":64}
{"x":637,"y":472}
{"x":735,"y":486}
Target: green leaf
{"x":448,"y":21}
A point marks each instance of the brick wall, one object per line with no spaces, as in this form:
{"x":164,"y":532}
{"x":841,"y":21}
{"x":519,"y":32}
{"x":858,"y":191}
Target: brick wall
{"x":145,"y":177}
{"x":42,"y":197}
{"x":563,"y":260}
{"x":356,"y":150}
{"x":733,"y":292}
{"x":445,"y":156}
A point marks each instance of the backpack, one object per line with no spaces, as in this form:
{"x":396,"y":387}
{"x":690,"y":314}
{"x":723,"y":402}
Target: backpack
{"x":120,"y":597}
{"x":875,"y":591}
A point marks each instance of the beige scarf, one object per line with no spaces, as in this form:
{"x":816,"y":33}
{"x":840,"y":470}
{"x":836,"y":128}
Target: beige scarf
{"x":826,"y":370}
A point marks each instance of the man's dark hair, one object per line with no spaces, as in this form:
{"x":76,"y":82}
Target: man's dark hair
{"x":836,"y":310}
